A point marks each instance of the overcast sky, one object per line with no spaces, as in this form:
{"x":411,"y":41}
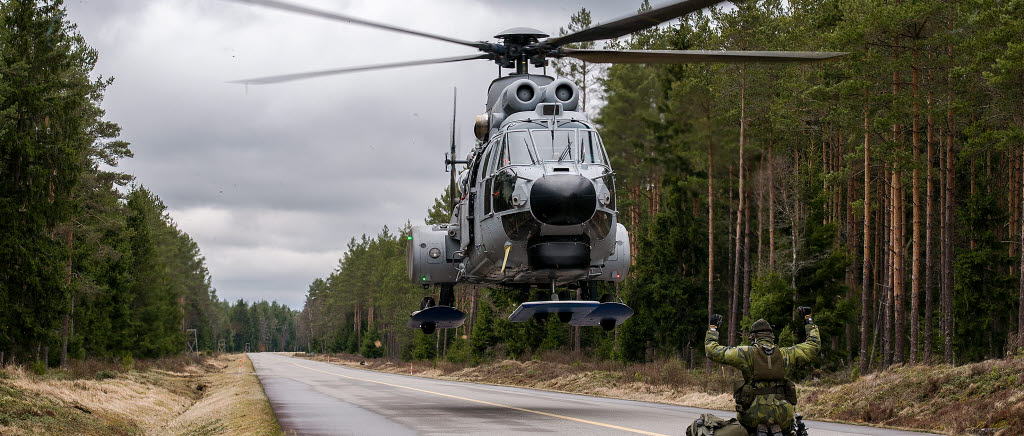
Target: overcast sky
{"x":272,"y":181}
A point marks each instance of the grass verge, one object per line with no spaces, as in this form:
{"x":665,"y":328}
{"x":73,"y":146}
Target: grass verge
{"x":180,"y":395}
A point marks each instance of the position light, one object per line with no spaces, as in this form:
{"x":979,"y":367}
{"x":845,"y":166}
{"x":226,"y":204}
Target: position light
{"x":424,"y":278}
{"x":408,"y":238}
{"x":434,"y":253}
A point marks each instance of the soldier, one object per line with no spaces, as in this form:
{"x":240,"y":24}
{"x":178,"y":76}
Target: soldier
{"x":767,"y":399}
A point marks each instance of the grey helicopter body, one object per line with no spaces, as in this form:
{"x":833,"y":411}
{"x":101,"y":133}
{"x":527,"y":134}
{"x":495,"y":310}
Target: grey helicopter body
{"x":535,"y":205}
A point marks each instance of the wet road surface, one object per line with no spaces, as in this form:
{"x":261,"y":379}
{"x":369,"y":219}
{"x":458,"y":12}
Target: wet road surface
{"x":317,"y":398}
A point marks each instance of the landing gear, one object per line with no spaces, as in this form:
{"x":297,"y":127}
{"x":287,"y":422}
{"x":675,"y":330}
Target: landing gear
{"x":432,"y":315}
{"x":585,"y":291}
{"x":448,"y":294}
{"x":584,"y":311}
{"x":427,"y":328}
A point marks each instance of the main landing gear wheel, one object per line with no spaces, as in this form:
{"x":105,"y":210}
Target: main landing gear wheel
{"x":426,"y":303}
{"x":608,"y":324}
{"x":607,"y":298}
{"x":428,"y":328}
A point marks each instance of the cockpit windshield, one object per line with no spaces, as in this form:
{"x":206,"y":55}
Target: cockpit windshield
{"x":555,"y":145}
{"x":516,"y":149}
{"x":529,"y":142}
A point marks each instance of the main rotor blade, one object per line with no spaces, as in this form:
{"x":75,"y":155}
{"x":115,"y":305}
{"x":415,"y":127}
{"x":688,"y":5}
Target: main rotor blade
{"x":281,"y":5}
{"x":312,"y":74}
{"x":633,"y":23}
{"x":693,"y":56}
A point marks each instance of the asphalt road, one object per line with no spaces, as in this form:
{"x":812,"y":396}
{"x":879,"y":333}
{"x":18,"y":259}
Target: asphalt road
{"x":317,"y":398}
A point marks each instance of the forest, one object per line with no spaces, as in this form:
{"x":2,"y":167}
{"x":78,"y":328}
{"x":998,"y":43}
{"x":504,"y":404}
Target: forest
{"x":93,"y":266}
{"x":884,"y":189}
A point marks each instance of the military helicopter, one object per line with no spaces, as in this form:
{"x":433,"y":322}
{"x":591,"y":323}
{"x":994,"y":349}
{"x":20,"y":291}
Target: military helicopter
{"x":535,"y":205}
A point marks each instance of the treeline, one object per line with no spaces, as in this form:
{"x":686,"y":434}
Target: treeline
{"x":884,"y":189}
{"x":92,"y":264}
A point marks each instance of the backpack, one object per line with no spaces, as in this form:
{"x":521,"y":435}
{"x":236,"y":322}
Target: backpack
{"x":711,"y":425}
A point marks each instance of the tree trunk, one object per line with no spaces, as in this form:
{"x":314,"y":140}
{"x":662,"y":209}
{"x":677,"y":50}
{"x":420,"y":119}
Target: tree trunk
{"x":929,"y":258}
{"x":771,"y":204}
{"x":357,"y":325}
{"x":915,"y":269}
{"x":1020,"y":310}
{"x":890,"y":275}
{"x":733,"y":319}
{"x":947,"y":292}
{"x":896,"y":302}
{"x":711,"y":216}
{"x":947,"y":295}
{"x":746,"y":257}
{"x":865,"y":290}
{"x":853,"y":270}
{"x":760,"y":217}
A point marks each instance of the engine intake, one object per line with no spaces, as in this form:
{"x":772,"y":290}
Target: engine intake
{"x":564,"y":92}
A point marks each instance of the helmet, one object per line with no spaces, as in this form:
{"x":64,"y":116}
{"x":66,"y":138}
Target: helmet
{"x":761,"y":329}
{"x":761,"y":326}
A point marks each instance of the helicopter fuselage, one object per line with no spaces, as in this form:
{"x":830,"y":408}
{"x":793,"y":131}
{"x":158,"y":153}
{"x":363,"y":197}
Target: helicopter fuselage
{"x":537,"y":199}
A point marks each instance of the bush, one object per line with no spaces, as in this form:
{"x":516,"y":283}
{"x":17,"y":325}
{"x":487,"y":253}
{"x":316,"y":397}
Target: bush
{"x":424,"y":347}
{"x":39,"y":367}
{"x":372,"y":347}
{"x":105,"y":374}
{"x":4,"y":375}
{"x":458,"y":351}
{"x":127,"y":362}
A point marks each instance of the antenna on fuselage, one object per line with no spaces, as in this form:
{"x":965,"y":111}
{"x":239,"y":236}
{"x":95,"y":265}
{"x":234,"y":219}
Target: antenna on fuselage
{"x":451,"y":186}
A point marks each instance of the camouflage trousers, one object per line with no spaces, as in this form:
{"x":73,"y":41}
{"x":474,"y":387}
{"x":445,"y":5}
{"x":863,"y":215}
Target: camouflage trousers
{"x":769,"y":409}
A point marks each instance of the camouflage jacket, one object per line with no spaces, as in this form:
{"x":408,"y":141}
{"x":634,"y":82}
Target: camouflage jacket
{"x":740,"y":357}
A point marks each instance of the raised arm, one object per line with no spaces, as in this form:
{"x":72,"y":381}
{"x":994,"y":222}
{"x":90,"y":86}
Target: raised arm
{"x":809,"y":348}
{"x":732,"y":356}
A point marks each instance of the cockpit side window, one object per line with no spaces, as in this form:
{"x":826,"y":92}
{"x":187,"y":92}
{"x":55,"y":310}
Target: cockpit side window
{"x":593,"y":152}
{"x":485,"y":164}
{"x":494,"y":160}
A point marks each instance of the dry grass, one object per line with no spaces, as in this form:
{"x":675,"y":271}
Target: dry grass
{"x":235,"y":404}
{"x":956,"y":400}
{"x":168,"y":396}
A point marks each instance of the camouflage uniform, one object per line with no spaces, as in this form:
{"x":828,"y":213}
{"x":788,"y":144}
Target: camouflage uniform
{"x":767,"y":408}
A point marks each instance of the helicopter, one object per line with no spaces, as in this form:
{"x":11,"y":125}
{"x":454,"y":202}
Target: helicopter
{"x":535,"y":205}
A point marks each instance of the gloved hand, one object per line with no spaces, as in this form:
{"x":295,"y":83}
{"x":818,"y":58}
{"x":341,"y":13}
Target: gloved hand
{"x":805,"y":313}
{"x":715,"y":321}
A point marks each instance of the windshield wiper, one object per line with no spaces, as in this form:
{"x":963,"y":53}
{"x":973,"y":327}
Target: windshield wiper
{"x":566,"y":151}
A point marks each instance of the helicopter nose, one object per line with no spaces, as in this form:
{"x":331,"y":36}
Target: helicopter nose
{"x":563,"y":199}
